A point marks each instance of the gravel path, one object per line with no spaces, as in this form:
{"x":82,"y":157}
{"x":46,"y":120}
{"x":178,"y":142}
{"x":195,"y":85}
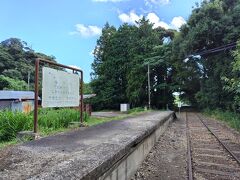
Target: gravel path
{"x":167,"y":159}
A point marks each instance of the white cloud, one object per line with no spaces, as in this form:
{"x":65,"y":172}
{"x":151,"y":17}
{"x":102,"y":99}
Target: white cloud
{"x":73,"y":66}
{"x":130,"y":18}
{"x":156,"y":2}
{"x":91,"y":53}
{"x":153,"y":18}
{"x":177,"y":22}
{"x":108,"y":0}
{"x":86,"y":31}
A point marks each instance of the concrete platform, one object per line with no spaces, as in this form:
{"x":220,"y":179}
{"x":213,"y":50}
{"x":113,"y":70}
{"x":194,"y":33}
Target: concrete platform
{"x":107,"y":114}
{"x":111,"y":150}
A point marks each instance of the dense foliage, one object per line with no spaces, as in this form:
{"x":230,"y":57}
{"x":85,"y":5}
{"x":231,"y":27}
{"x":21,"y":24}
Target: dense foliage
{"x":49,"y":120}
{"x":232,"y":83}
{"x":230,"y":118}
{"x":215,"y":23}
{"x":210,"y":80}
{"x":120,"y":66}
{"x":17,"y":62}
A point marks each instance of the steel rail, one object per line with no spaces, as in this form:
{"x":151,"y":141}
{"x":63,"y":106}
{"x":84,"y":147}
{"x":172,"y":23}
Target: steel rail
{"x":189,"y":151}
{"x":219,"y":140}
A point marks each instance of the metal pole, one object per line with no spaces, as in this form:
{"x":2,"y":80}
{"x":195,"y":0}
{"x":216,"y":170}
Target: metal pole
{"x":36,"y":97}
{"x":149,"y":91}
{"x":81,"y":105}
{"x":28,"y":79}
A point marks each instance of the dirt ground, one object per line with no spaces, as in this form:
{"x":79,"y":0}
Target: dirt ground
{"x":167,"y":159}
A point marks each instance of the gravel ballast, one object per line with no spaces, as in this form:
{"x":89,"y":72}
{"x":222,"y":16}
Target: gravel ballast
{"x":167,"y":159}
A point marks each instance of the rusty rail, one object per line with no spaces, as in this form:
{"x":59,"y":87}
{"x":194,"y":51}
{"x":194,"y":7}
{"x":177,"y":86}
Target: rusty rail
{"x":219,"y":140}
{"x":189,"y":151}
{"x":37,"y":62}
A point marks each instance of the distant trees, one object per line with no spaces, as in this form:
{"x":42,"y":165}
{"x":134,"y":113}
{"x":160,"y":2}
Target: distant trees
{"x":7,"y":83}
{"x":16,"y":61}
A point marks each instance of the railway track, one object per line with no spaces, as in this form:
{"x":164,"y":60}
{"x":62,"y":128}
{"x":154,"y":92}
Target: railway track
{"x":211,"y":153}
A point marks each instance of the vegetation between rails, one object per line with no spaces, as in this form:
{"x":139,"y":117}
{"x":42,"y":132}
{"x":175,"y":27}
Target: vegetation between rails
{"x":232,"y":119}
{"x":51,"y":121}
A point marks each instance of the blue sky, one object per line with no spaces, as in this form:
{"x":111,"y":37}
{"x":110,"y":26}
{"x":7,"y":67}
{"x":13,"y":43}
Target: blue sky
{"x":68,"y":29}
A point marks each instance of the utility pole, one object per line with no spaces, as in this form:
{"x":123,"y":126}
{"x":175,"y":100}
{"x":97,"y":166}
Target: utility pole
{"x":149,"y":91}
{"x":28,"y":80}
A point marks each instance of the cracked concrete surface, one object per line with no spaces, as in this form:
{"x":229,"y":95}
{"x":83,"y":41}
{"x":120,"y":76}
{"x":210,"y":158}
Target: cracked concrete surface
{"x":78,"y":154}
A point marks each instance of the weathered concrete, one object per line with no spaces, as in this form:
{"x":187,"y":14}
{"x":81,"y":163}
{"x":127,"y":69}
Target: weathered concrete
{"x":23,"y":135}
{"x":107,"y":114}
{"x":105,"y":151}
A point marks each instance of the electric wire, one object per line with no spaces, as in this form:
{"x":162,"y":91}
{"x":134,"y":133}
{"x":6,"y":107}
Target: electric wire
{"x":214,"y":50}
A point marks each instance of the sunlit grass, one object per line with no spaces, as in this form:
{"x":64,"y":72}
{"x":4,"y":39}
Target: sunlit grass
{"x":50,"y":122}
{"x":230,"y":118}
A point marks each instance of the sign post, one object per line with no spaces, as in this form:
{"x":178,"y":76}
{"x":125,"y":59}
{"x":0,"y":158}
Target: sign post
{"x":179,"y":106}
{"x":59,"y":88}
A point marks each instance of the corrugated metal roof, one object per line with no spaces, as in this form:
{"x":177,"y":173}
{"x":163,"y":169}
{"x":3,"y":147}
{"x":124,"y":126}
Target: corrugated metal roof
{"x":16,"y":95}
{"x":27,"y":95}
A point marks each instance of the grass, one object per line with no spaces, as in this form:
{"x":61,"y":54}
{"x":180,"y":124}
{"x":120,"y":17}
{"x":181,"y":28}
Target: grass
{"x":230,"y":118}
{"x":50,"y":122}
{"x":8,"y":143}
{"x":93,"y":120}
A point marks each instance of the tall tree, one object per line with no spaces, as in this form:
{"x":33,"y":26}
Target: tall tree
{"x":210,"y":25}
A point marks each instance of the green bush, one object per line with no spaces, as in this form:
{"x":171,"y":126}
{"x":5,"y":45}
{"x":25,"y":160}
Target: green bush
{"x":138,"y":109}
{"x":48,"y":120}
{"x":13,"y":122}
{"x":231,"y":118}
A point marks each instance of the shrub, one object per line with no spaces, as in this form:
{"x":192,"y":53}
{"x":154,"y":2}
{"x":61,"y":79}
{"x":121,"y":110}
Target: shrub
{"x":231,"y":118}
{"x":48,"y":120}
{"x":13,"y":122}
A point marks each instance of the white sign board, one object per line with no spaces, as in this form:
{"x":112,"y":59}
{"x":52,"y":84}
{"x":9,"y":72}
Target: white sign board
{"x":59,"y":88}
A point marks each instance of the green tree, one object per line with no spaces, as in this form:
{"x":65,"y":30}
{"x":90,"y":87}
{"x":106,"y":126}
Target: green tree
{"x":7,"y":83}
{"x":120,"y":65}
{"x":233,"y":83}
{"x":102,"y":81}
{"x":210,"y":25}
{"x":17,"y":61}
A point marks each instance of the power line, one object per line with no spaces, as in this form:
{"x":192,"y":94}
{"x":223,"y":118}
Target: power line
{"x":217,"y":49}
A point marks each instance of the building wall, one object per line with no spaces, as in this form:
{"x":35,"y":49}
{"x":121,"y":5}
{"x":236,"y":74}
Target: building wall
{"x":27,"y":106}
{"x":5,"y":105}
{"x":22,"y":106}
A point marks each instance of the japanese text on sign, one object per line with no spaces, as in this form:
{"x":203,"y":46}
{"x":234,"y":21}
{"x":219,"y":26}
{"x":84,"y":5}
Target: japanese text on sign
{"x":59,"y":88}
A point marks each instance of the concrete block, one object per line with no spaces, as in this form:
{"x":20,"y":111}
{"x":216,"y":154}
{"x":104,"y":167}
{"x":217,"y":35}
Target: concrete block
{"x":134,"y":160}
{"x":121,"y":171}
{"x":114,"y":175}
